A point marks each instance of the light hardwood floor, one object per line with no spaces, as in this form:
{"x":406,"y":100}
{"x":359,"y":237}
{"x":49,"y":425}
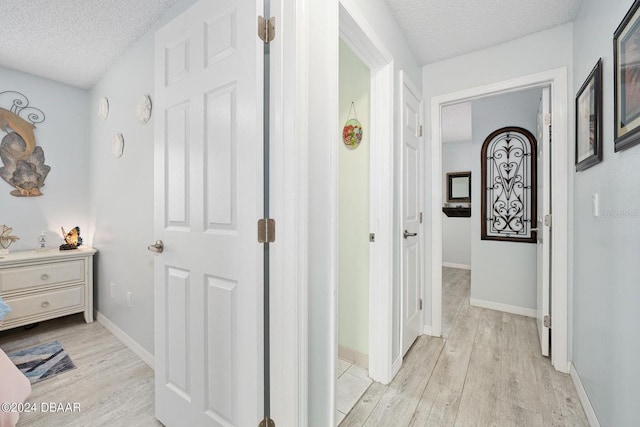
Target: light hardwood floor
{"x":486,"y":371}
{"x":113,"y":386}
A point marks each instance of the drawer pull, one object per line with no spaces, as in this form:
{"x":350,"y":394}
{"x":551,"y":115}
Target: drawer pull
{"x":45,"y":304}
{"x":44,"y":276}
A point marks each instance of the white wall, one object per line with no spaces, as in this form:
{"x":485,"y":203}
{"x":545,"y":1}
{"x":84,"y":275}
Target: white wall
{"x":122,"y":190}
{"x":502,"y":272}
{"x":353,"y":207}
{"x":63,"y":137}
{"x":456,"y":231}
{"x":606,"y":342}
{"x":538,"y":52}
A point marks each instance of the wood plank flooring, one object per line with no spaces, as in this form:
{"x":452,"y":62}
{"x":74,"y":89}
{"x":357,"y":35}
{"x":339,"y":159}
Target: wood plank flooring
{"x":113,"y":386}
{"x":486,"y":371}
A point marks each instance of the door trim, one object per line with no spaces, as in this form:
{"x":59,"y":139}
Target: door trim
{"x":356,"y":32}
{"x":289,"y":199}
{"x":557,"y":80}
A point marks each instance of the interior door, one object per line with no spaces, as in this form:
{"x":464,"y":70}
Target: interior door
{"x":411,"y":222}
{"x":544,"y":209}
{"x":208,"y":197}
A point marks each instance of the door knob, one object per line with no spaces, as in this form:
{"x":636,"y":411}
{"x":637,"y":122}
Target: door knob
{"x":407,"y":234}
{"x":157,"y":247}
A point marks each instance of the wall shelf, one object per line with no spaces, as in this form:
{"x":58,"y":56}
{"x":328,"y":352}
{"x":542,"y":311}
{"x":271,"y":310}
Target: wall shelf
{"x":457,"y":212}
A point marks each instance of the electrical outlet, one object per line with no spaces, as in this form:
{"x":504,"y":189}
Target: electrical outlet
{"x":113,"y":290}
{"x":129,"y":299}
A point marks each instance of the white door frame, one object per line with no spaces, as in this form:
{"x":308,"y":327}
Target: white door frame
{"x":560,"y":148}
{"x":289,"y":284}
{"x":356,"y":32}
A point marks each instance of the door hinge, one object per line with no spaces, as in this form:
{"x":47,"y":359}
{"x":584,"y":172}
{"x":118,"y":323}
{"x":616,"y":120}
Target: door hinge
{"x":266,"y":29}
{"x":372,"y":237}
{"x":547,"y":123}
{"x":266,"y":230}
{"x":547,"y":321}
{"x":420,"y":217}
{"x":267,"y":422}
{"x":420,"y":130}
{"x":420,"y":303}
{"x":547,"y":220}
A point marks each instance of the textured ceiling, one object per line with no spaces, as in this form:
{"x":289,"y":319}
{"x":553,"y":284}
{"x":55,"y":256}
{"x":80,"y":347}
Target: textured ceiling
{"x":72,"y":41}
{"x":456,"y":122}
{"x":441,"y":29}
{"x":75,"y":41}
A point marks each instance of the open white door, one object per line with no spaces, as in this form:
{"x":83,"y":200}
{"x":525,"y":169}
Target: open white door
{"x":208,"y":197}
{"x":411,"y":221}
{"x":544,"y":211}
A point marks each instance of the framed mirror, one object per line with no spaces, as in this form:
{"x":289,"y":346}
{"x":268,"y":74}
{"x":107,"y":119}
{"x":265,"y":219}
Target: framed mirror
{"x":459,"y":187}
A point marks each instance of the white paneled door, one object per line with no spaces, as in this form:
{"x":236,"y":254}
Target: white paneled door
{"x":544,"y":209}
{"x":411,"y":222}
{"x":208,"y":197}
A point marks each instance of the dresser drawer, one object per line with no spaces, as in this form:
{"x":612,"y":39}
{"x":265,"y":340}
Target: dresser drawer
{"x":45,"y":302}
{"x":22,"y":278}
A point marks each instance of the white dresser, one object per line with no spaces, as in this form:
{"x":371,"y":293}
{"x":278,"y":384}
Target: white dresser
{"x":44,"y":285}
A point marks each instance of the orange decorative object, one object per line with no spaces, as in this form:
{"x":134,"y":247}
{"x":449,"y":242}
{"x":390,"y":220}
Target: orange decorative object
{"x":352,"y":133}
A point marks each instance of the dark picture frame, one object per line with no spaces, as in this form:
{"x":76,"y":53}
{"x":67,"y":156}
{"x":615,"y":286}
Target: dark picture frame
{"x":451,"y":196}
{"x":589,"y":120}
{"x":626,"y":78}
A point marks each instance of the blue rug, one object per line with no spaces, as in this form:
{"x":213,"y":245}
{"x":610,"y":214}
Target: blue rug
{"x":42,"y":362}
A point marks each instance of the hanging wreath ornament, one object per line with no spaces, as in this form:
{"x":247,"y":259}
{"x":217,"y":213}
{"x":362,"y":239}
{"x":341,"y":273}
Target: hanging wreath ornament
{"x":352,"y":131}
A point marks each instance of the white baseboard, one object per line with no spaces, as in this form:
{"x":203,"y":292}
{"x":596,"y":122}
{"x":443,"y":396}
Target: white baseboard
{"x":136,"y":348}
{"x":428,"y":330}
{"x":353,"y":356}
{"x":522,"y":311}
{"x":454,"y":265}
{"x":584,"y":399}
{"x":395,"y":368}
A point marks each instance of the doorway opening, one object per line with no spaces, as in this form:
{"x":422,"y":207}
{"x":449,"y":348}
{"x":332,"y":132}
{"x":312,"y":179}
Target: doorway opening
{"x":375,"y":270}
{"x":354,"y":100}
{"x":556,"y":81}
{"x":507,"y":273}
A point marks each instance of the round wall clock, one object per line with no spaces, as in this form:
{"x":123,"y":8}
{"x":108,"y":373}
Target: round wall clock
{"x":143,"y":111}
{"x":103,"y":109}
{"x":117,"y":146}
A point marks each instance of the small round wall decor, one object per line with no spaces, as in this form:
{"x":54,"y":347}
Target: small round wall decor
{"x":143,"y":111}
{"x":103,"y":109}
{"x":117,"y":146}
{"x":352,"y":131}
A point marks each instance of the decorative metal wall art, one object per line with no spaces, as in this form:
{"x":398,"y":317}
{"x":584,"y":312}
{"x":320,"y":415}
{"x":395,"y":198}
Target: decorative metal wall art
{"x":23,"y":161}
{"x":508,"y":163}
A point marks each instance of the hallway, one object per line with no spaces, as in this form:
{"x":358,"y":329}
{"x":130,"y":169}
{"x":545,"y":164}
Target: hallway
{"x":486,"y":371}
